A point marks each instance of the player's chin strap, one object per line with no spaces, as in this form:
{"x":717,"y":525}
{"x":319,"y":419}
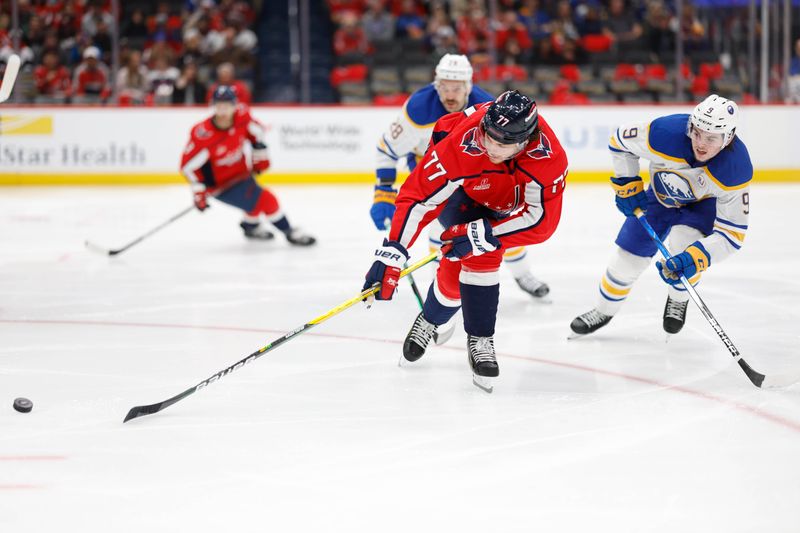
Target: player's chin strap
{"x":758,"y":379}
{"x":142,"y":410}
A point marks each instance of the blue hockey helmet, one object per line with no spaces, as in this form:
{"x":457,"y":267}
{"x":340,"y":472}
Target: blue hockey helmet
{"x":512,"y":118}
{"x":223,"y":93}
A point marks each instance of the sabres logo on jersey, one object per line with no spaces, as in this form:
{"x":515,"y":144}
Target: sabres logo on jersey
{"x":543,"y":151}
{"x":672,"y":189}
{"x":470,"y":143}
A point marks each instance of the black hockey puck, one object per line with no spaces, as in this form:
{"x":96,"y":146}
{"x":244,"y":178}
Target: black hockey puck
{"x":23,"y":405}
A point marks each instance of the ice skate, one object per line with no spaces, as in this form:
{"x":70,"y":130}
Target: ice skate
{"x":535,"y":287}
{"x":482,"y":360}
{"x":417,"y":340}
{"x":255,"y":231}
{"x":588,"y":322}
{"x":298,"y":238}
{"x":674,"y":315}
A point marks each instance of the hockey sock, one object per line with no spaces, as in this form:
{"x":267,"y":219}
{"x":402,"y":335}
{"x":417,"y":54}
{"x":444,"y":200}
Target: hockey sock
{"x":479,"y":307}
{"x":437,"y":308}
{"x":282,"y":224}
{"x":622,"y":272}
{"x":516,"y":259}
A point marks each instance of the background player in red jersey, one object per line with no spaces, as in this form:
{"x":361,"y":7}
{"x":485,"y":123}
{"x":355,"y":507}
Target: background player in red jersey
{"x":493,"y":175}
{"x":215,"y":164}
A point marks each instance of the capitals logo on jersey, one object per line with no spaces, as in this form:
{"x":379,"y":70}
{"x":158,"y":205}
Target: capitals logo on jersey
{"x":672,"y":189}
{"x":470,"y":143}
{"x":543,"y":151}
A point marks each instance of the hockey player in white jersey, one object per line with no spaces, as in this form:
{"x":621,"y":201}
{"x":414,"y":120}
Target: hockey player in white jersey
{"x":699,"y":196}
{"x":407,"y":138}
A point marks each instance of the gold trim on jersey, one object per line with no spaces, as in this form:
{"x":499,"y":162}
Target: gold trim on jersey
{"x":735,"y":234}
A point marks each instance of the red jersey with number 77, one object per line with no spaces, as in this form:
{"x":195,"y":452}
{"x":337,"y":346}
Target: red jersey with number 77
{"x":526,"y":188}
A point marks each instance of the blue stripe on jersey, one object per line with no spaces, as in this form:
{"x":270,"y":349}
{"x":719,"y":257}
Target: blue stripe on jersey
{"x":615,"y":281}
{"x":619,"y":139}
{"x":616,"y":150}
{"x":393,"y":154}
{"x":740,"y":226}
{"x":737,"y":246}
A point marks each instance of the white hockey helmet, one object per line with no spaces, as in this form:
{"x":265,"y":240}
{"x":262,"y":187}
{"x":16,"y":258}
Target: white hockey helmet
{"x":716,"y":114}
{"x":454,"y":67}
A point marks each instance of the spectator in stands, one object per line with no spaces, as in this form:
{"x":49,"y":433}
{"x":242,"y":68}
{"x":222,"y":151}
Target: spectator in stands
{"x":102,"y":39}
{"x":694,"y":33}
{"x":226,"y":76}
{"x":94,"y":16}
{"x":134,"y":29}
{"x":132,"y":80}
{"x":444,"y":41}
{"x":621,"y":26}
{"x":473,"y":32}
{"x":794,"y":75}
{"x":409,"y":24}
{"x":349,"y":39}
{"x":35,"y":35}
{"x":657,"y":27}
{"x":244,"y":38}
{"x":161,"y":80}
{"x":588,"y":21}
{"x":53,"y":84}
{"x":378,"y":22}
{"x":192,"y":52}
{"x":189,"y":90}
{"x":535,"y":19}
{"x":510,"y":28}
{"x":91,"y":78}
{"x":564,"y":28}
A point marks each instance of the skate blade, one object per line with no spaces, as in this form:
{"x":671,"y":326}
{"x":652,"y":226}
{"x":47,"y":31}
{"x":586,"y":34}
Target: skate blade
{"x":484,"y":383}
{"x":572,"y":335}
{"x":404,"y":363}
{"x":441,"y":337}
{"x":546,"y":300}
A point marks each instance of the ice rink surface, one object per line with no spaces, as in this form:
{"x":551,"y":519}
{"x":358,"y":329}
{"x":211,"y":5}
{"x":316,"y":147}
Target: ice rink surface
{"x":618,"y":432}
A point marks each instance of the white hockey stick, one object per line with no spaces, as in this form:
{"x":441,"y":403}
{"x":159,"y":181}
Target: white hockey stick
{"x":10,"y":77}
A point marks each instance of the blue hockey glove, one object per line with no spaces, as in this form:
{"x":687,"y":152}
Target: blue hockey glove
{"x":389,"y":259}
{"x":629,"y":194}
{"x":383,"y":205}
{"x":470,"y":239}
{"x":691,"y":263}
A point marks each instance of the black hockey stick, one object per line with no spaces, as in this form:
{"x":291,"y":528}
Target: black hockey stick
{"x":107,"y":251}
{"x":758,"y":379}
{"x":143,"y":410}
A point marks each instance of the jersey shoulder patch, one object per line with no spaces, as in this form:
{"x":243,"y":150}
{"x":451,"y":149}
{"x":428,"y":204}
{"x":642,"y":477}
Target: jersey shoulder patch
{"x":731,"y":168}
{"x":667,"y":137}
{"x":203,"y":131}
{"x":478,"y":96}
{"x":423,"y":108}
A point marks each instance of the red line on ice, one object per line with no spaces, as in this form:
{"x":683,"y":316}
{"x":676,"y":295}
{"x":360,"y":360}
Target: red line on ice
{"x":776,"y":419}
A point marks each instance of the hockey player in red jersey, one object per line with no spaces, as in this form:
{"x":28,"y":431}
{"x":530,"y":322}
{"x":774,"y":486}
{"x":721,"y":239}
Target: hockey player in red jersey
{"x":215,"y":164}
{"x":493,"y":175}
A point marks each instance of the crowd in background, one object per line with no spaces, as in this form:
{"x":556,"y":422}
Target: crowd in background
{"x":176,"y":51}
{"x":522,"y":31}
{"x":171,"y":52}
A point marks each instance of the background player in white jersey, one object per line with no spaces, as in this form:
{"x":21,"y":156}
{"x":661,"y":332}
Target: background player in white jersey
{"x":407,"y":138}
{"x":699,"y":195}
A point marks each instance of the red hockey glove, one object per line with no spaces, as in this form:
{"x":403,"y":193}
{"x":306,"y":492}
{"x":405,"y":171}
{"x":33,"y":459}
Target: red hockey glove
{"x":201,"y":198}
{"x":389,"y":259}
{"x":260,"y":158}
{"x":470,"y":239}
